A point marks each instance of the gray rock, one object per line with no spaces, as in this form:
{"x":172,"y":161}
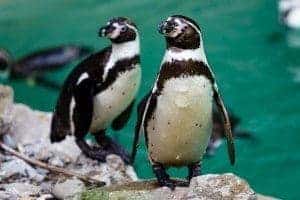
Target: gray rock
{"x":4,"y":195}
{"x":69,"y":189}
{"x":9,"y":141}
{"x":46,"y":187}
{"x":45,"y":197}
{"x":211,"y":186}
{"x":6,"y":104}
{"x":226,"y":186}
{"x":19,"y":167}
{"x":22,"y":129}
{"x":56,"y":162}
{"x":28,"y":131}
{"x":22,"y":190}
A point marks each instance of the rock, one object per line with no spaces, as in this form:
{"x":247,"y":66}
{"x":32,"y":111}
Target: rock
{"x":22,"y":190}
{"x":28,"y":131}
{"x":6,"y":102}
{"x":17,"y":167}
{"x":226,"y":186}
{"x":56,"y":162}
{"x":69,"y":189}
{"x":66,"y":149}
{"x":45,"y":197}
{"x":7,"y":195}
{"x":22,"y":129}
{"x":210,"y":186}
{"x":117,"y":170}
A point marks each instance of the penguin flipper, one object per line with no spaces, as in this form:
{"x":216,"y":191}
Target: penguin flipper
{"x":83,"y":110}
{"x":227,"y":126}
{"x":60,"y":123}
{"x":140,"y":115}
{"x":123,"y":118}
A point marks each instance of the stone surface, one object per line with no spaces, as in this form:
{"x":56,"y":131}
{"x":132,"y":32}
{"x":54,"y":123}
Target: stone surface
{"x":227,"y":186}
{"x":6,"y":101}
{"x":210,"y":186}
{"x":28,"y":131}
{"x":22,"y":190}
{"x":17,"y":167}
{"x":69,"y":189}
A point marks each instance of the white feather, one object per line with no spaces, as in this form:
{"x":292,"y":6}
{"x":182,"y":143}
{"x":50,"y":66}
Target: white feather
{"x":115,"y":99}
{"x":184,"y":54}
{"x":182,"y":121}
{"x":121,"y":51}
{"x":82,"y":77}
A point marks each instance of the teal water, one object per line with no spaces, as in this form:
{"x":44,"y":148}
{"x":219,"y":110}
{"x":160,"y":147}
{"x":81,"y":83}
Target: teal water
{"x":256,"y":65}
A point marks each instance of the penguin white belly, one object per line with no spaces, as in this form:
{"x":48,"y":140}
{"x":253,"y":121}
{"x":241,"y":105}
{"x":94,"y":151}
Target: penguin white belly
{"x":181,"y":125}
{"x":115,"y":99}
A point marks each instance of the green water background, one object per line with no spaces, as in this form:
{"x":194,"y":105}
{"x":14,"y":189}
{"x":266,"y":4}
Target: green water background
{"x":255,"y":65}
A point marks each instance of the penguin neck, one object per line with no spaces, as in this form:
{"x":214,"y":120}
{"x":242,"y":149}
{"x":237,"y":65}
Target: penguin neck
{"x":178,"y":54}
{"x":126,"y":49}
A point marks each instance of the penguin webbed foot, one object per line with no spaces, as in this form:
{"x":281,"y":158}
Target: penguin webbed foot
{"x":162,"y":177}
{"x":112,"y":147}
{"x":93,"y":153}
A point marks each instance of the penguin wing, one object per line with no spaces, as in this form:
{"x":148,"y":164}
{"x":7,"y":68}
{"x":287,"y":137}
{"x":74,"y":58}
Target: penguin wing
{"x":83,"y":110}
{"x":227,"y":126}
{"x":123,"y":118}
{"x":61,"y":120}
{"x":141,"y":114}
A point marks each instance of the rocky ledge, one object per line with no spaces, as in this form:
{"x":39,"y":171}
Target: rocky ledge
{"x":211,"y":186}
{"x":27,"y":131}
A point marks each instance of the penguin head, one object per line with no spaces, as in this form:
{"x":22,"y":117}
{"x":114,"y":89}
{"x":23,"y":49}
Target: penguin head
{"x":181,"y":32}
{"x":119,"y":30}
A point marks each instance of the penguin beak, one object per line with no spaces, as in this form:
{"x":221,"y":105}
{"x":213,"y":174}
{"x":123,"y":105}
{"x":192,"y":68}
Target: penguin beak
{"x":106,"y":30}
{"x":166,"y":27}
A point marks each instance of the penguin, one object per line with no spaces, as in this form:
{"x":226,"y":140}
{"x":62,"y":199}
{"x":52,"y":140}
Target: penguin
{"x":100,"y":92}
{"x":35,"y":64}
{"x":176,"y":116}
{"x":289,"y":13}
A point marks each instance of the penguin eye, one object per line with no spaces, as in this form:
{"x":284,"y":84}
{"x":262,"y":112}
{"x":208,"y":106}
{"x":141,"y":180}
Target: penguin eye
{"x":124,"y":28}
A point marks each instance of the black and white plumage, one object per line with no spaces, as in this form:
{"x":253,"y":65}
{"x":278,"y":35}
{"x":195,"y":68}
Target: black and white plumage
{"x":176,"y":116}
{"x":100,"y":91}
